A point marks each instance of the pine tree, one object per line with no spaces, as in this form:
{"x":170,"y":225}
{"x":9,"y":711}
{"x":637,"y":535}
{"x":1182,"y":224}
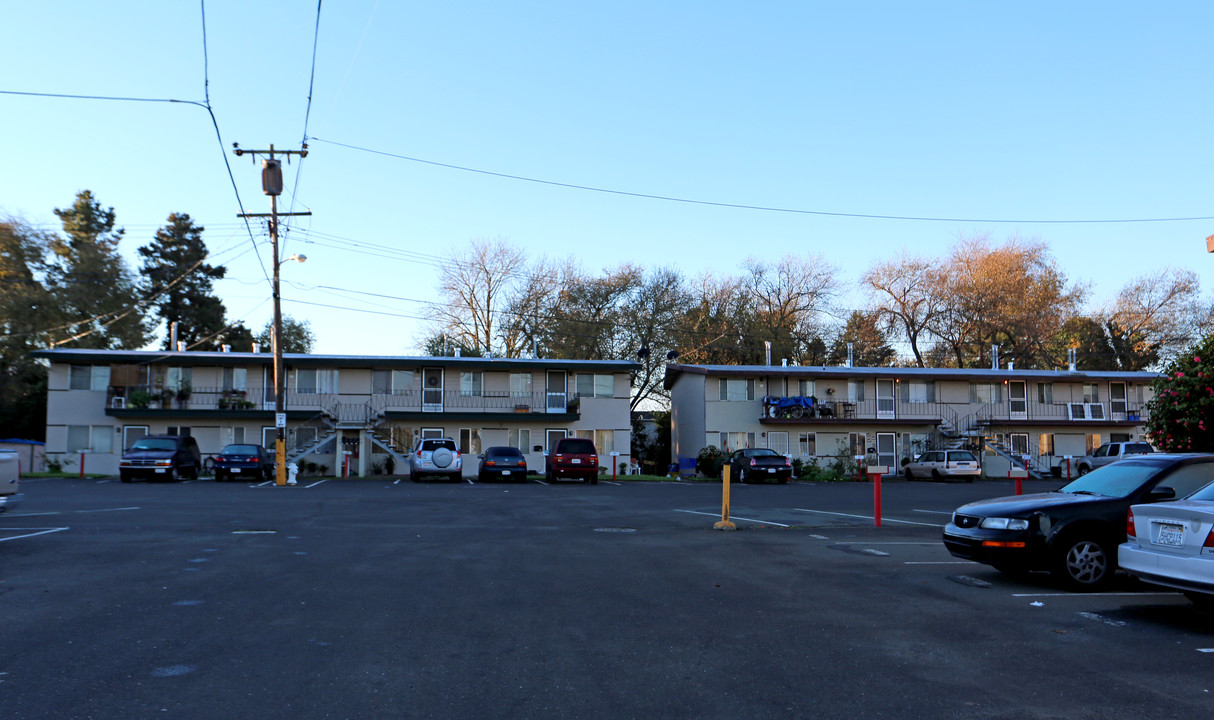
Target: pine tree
{"x":96,"y":291}
{"x":179,"y":280}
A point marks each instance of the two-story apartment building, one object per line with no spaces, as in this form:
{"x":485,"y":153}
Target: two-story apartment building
{"x":899,"y":412}
{"x":361,"y":412}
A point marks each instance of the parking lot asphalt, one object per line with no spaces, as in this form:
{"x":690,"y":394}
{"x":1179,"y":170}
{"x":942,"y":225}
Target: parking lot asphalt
{"x":373,"y":598}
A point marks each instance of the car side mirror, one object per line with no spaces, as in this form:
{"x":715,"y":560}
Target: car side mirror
{"x":1161,"y":493}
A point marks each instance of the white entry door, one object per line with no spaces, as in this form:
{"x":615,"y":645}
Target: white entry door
{"x":885,"y":399}
{"x":556,"y":392}
{"x":887,"y":449}
{"x":1118,"y":400}
{"x":432,"y":389}
{"x":1017,"y":395}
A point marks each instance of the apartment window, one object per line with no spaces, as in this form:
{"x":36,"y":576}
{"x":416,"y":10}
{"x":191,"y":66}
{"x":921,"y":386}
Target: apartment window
{"x":308,"y":380}
{"x":983,"y":393}
{"x":1045,"y":393}
{"x":1091,"y":393}
{"x":131,"y":433}
{"x":584,"y":434}
{"x":1119,"y":437}
{"x":268,"y":437}
{"x":402,"y":381}
{"x":736,"y":440}
{"x":402,"y":437}
{"x":88,"y":377}
{"x":778,"y":441}
{"x":737,"y":390}
{"x":520,"y":438}
{"x":604,"y":441}
{"x":471,"y":383}
{"x":86,"y":438}
{"x":807,"y":443}
{"x":1019,"y":443}
{"x":856,"y":443}
{"x":1045,"y":443}
{"x":1091,"y":441}
{"x":435,"y":433}
{"x":182,"y":430}
{"x":470,"y":441}
{"x":381,"y":382}
{"x":520,"y":386}
{"x":238,"y":435}
{"x":806,"y":388}
{"x":855,"y":391}
{"x":919,"y":391}
{"x":601,"y":386}
{"x":235,"y":378}
{"x":179,"y":377}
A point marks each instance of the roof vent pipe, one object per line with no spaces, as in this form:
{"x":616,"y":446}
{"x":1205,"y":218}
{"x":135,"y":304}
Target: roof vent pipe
{"x":225,"y":348}
{"x":850,"y":354}
{"x":994,"y":357}
{"x":784,"y":362}
{"x":1070,"y":359}
{"x":256,"y":347}
{"x":181,"y":346}
{"x":173,"y":334}
{"x":767,"y":344}
{"x":1011,"y":365}
{"x":457,"y":352}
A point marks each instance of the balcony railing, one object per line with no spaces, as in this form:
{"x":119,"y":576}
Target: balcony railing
{"x":959,"y":417}
{"x":1118,"y":411}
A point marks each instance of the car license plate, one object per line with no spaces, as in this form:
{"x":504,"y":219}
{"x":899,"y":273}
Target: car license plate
{"x":1171,"y":535}
{"x":505,"y":472}
{"x":771,"y":470}
{"x":576,"y":461}
{"x":159,"y":469}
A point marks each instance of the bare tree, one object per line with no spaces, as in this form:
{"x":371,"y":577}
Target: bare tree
{"x":1156,"y":316}
{"x":474,"y":284}
{"x":906,"y":294}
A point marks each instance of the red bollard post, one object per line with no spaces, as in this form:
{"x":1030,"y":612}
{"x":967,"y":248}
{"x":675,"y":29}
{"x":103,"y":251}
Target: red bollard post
{"x":877,"y":499}
{"x":1068,"y":468}
{"x":613,"y":457}
{"x":81,"y":465}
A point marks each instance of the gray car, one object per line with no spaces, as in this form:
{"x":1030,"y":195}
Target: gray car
{"x":944,"y":465}
{"x":436,"y":457}
{"x":1110,"y":453}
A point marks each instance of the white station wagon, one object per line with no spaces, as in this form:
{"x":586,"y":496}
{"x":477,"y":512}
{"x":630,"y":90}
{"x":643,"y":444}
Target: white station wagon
{"x":944,"y":465}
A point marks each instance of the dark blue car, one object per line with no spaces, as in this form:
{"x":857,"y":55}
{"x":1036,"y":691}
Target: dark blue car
{"x":253,"y":461}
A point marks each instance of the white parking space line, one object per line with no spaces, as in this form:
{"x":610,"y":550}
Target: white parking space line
{"x":541,"y":482}
{"x":1103,"y":594}
{"x":107,"y":510}
{"x":936,"y":512}
{"x":611,"y":482}
{"x":866,"y":517}
{"x":939,"y":562}
{"x":267,"y":482}
{"x":102,"y":482}
{"x":7,"y":515}
{"x":42,"y":531}
{"x":734,"y":517}
{"x":863,"y":542}
{"x":469,"y":480}
{"x":318,"y":482}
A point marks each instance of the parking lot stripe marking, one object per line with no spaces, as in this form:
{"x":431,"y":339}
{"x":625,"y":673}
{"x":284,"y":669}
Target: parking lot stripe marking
{"x":318,"y":482}
{"x":267,"y":482}
{"x":862,"y":542}
{"x":938,"y":562}
{"x":42,"y":531}
{"x":733,"y":517}
{"x":102,"y":482}
{"x":1104,"y":594}
{"x":866,"y":517}
{"x":470,"y":481}
{"x":935,"y":512}
{"x":541,"y":482}
{"x":107,"y":510}
{"x":610,"y":482}
{"x":1205,"y":650}
{"x":31,"y":514}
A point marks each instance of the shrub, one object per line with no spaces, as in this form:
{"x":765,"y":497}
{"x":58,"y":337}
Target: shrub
{"x":1182,"y":411}
{"x":709,"y":461}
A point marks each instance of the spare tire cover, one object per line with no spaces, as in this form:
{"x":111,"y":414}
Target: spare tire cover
{"x":441,"y":457}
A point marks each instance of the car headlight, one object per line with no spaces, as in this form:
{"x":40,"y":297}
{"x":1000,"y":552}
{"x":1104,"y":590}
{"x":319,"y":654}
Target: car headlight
{"x":1000,"y":523}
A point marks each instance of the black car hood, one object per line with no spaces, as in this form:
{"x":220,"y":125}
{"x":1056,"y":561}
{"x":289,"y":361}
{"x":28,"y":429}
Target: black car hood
{"x":149,"y":455}
{"x":1023,"y":505}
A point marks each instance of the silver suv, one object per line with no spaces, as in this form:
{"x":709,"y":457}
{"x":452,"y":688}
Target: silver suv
{"x":436,"y":456}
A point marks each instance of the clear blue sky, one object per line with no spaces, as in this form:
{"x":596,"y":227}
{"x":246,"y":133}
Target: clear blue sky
{"x":1024,"y":111}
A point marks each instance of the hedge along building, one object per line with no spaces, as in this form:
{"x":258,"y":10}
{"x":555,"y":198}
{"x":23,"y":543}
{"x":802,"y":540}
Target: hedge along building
{"x":897,"y":413}
{"x":372,"y":407}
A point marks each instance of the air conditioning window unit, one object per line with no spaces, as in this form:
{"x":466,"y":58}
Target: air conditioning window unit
{"x":1077,"y":411}
{"x":1095,"y":411}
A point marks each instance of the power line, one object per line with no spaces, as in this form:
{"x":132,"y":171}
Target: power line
{"x":762,"y":208}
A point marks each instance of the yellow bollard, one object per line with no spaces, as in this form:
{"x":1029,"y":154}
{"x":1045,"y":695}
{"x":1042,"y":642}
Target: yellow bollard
{"x":725,"y":523}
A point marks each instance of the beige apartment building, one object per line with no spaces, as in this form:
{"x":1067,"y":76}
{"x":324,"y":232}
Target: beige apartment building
{"x":891,"y":414}
{"x":360,"y":412}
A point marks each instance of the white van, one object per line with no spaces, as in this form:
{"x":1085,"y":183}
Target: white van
{"x":10,"y":480}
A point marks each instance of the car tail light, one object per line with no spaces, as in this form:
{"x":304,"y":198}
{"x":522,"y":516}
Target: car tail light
{"x":1209,"y":539}
{"x":490,"y":463}
{"x":752,"y":462}
{"x":787,"y":462}
{"x":559,"y":457}
{"x":419,"y":454}
{"x":1129,"y":526}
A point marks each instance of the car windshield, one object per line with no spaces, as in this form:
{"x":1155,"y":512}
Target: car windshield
{"x":762,"y":453}
{"x":1116,"y":480}
{"x":240,"y":450}
{"x":436,"y":444}
{"x":577,"y":446}
{"x":154,"y":444}
{"x":504,"y":452}
{"x":962,"y":456}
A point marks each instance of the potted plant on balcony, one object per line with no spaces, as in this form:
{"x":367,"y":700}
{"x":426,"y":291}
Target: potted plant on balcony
{"x":573,"y":404}
{"x":139,"y":399}
{"x":166,"y":398}
{"x":183,"y":393}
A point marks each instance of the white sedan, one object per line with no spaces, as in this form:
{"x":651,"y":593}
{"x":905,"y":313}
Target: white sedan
{"x":944,"y":465}
{"x":1172,"y":544}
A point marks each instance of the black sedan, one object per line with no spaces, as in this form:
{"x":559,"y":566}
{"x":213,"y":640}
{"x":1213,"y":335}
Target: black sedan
{"x":756,"y":464}
{"x":236,"y":460}
{"x":502,"y":463}
{"x":1073,"y":532}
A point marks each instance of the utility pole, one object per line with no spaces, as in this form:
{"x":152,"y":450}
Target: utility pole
{"x":271,"y":184}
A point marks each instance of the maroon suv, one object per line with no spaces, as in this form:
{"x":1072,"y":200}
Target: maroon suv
{"x":573,"y":458}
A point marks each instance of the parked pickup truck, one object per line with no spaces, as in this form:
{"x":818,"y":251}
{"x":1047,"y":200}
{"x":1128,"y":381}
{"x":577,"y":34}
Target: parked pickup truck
{"x":1111,"y":453}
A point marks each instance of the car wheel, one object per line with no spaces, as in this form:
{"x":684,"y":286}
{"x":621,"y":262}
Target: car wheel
{"x":1202,"y":601}
{"x":782,"y":479}
{"x":219,"y":476}
{"x":742,"y":476}
{"x":124,"y":477}
{"x":594,"y":479}
{"x":1084,"y":563}
{"x":909,"y":475}
{"x":1084,"y":470}
{"x":173,"y":474}
{"x":936,"y":475}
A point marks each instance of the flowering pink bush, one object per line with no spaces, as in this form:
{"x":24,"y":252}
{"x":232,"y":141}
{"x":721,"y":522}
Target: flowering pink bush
{"x":1182,"y":412}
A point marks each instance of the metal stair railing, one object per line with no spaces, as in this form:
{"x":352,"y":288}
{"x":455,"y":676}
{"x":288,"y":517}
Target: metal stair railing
{"x":1034,"y":462}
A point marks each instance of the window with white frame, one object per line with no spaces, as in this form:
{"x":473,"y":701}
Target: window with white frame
{"x":736,"y":440}
{"x":919,"y":391}
{"x":311,"y":380}
{"x":604,"y":441}
{"x":807,"y":444}
{"x":1091,"y":393}
{"x":179,"y":377}
{"x":983,"y":393}
{"x":470,"y":441}
{"x":520,"y":438}
{"x":432,"y":433}
{"x":592,"y":385}
{"x":471,"y":383}
{"x":737,"y":389}
{"x":806,"y":388}
{"x":269,"y":436}
{"x":520,"y":385}
{"x":856,"y":443}
{"x":90,"y":438}
{"x":237,"y":435}
{"x":778,"y":441}
{"x":88,"y":377}
{"x":1045,"y":393}
{"x":235,"y":378}
{"x":855,"y":391}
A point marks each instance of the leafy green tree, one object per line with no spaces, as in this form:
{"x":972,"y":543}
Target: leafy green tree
{"x":1182,"y":411}
{"x":28,"y":313}
{"x":178,"y":280}
{"x":869,"y":346}
{"x":438,"y":345}
{"x":97,"y":292}
{"x":297,"y":336}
